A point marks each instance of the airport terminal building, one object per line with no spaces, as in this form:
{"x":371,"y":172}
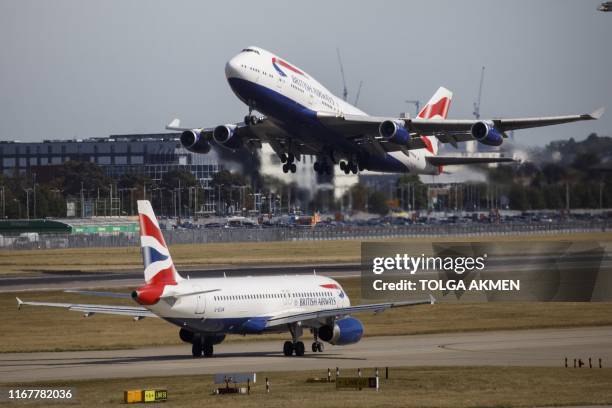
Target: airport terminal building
{"x":148,"y":154}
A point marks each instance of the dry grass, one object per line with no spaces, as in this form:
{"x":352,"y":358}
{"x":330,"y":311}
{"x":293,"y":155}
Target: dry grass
{"x":406,"y":387}
{"x":184,"y":255}
{"x":48,"y":329}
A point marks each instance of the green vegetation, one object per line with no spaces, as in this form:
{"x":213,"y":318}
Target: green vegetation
{"x":406,"y":387}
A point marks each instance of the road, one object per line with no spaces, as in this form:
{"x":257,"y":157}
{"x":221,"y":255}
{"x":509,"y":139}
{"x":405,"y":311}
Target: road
{"x":542,"y":347}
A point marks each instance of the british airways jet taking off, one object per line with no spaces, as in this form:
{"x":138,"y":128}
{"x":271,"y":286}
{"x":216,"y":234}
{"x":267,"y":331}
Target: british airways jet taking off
{"x":301,"y":117}
{"x":208,"y":309}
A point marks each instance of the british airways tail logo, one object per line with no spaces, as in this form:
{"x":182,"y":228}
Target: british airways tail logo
{"x":278,"y":63}
{"x":155,"y":254}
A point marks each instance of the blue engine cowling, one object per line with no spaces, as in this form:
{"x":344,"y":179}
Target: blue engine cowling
{"x":486,"y":133}
{"x":194,"y":141}
{"x":345,"y":331}
{"x":225,"y":135}
{"x":394,"y":131}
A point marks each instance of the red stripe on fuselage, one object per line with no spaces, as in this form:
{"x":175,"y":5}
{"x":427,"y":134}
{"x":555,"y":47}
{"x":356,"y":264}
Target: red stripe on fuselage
{"x":286,"y":65}
{"x":330,"y":286}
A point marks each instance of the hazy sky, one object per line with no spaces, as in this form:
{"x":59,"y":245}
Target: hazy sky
{"x":75,"y":69}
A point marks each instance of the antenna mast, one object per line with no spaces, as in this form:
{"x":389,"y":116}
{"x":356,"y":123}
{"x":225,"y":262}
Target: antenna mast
{"x":358,"y":93}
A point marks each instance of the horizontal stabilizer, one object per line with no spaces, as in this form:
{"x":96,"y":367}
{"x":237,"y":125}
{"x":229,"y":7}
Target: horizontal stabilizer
{"x":450,"y":161}
{"x":102,"y":294}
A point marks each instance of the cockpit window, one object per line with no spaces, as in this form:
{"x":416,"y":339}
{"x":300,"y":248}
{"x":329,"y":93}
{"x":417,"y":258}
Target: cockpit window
{"x":250,"y":50}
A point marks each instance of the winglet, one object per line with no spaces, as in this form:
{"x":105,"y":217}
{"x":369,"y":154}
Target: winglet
{"x":176,"y":123}
{"x":432,"y":299}
{"x":19,"y":303}
{"x":597,"y":113}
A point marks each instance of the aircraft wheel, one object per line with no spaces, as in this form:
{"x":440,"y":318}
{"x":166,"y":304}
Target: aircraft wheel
{"x":315,"y":347}
{"x":196,"y":348}
{"x":320,"y":347}
{"x":343,"y":166}
{"x":299,"y":348}
{"x":317,"y":167}
{"x":293,"y":167}
{"x":288,"y":348}
{"x":208,"y":350}
{"x":353,"y":167}
{"x":283,"y":158}
{"x":286,"y":168}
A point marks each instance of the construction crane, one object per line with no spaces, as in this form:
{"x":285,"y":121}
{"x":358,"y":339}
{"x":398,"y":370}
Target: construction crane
{"x":344,"y":90}
{"x":477,"y":103}
{"x":417,"y":105}
{"x":358,"y":93}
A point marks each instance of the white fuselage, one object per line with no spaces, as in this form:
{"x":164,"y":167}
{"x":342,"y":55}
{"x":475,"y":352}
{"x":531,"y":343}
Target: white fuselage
{"x":235,"y":300}
{"x":256,"y":76}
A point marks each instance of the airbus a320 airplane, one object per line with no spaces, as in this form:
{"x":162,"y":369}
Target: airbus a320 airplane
{"x":302,"y":117}
{"x":207,"y":309}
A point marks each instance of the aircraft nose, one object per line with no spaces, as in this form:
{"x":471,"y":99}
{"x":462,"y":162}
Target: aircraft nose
{"x":233,"y":68}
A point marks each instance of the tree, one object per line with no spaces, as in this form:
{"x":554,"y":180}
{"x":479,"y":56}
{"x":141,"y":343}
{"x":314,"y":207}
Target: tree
{"x":378,"y":203}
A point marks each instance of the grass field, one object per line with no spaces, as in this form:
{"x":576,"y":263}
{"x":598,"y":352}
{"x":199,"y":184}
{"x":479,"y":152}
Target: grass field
{"x":406,"y":387}
{"x":49,"y":329}
{"x":192,"y":255}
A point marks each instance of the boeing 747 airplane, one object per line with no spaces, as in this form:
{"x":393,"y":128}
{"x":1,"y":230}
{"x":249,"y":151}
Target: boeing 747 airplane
{"x":301,"y":117}
{"x":207,"y":309}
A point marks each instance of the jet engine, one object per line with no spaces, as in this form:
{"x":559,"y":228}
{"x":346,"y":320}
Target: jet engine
{"x":347,"y":330}
{"x":194,"y":141}
{"x":225,"y":135}
{"x":394,"y":131}
{"x":486,"y":133}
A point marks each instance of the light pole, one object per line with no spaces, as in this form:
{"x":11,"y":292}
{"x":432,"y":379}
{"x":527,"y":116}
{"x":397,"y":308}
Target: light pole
{"x":18,"y":206}
{"x":27,"y":191}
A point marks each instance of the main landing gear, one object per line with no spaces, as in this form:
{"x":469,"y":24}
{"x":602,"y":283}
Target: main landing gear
{"x":289,"y":160}
{"x":297,"y":347}
{"x":349,"y":167}
{"x":323,"y":167}
{"x":200,"y":347}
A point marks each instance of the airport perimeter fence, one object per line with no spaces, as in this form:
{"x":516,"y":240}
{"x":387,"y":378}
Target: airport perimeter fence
{"x":198,"y":236}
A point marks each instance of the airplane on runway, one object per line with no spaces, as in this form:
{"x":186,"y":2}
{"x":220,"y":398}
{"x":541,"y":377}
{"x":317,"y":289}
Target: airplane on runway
{"x":301,"y":117}
{"x":207,"y":309}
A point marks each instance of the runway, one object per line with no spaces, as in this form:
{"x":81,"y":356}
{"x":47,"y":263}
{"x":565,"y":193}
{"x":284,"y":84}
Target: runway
{"x":542,"y":347}
{"x":61,"y":280}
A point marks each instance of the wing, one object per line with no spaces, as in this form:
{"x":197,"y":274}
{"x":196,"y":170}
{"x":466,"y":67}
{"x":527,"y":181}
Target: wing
{"x":343,"y":311}
{"x":88,"y":310}
{"x":265,"y":130}
{"x":365,"y":129}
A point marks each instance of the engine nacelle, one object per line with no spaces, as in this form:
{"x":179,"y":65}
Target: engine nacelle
{"x":394,"y":131}
{"x":486,"y":133}
{"x":194,"y":141}
{"x":225,"y":135}
{"x":345,"y":331}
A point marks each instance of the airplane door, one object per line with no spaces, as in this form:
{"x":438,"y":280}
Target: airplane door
{"x":200,"y":302}
{"x":287,"y":296}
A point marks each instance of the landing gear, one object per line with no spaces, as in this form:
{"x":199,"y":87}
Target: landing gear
{"x":289,"y":165}
{"x":208,"y":349}
{"x":294,"y":346}
{"x":349,"y":167}
{"x":288,"y":348}
{"x":201,"y":347}
{"x":316,"y":345}
{"x":196,"y":348}
{"x":322,"y":167}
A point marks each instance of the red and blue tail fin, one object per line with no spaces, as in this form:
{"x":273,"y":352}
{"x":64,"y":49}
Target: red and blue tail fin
{"x":159,"y":268}
{"x":436,"y":108}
